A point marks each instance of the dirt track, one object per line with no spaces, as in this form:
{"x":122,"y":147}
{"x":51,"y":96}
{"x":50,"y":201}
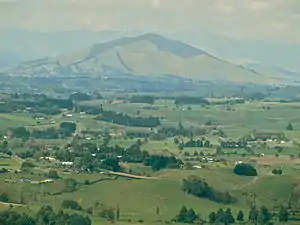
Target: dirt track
{"x":132,"y":176}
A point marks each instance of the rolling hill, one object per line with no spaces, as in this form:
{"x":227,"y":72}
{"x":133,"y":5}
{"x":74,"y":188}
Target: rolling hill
{"x":145,"y":55}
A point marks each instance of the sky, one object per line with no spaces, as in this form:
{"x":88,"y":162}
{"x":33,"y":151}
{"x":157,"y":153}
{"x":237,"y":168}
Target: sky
{"x":277,"y":20}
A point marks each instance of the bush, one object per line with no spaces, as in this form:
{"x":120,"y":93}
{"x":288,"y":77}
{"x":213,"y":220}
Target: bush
{"x":27,"y":166}
{"x":4,"y":197}
{"x":70,"y":185}
{"x":243,"y":169}
{"x":53,"y":174}
{"x":70,"y":204}
{"x":277,"y":171}
{"x":3,"y":170}
{"x":68,"y":127}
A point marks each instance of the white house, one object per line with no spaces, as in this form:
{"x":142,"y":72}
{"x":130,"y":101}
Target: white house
{"x":67,"y":163}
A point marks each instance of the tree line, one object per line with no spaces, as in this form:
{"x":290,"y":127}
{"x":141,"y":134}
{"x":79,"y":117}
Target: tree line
{"x":256,"y":215}
{"x":126,"y":120}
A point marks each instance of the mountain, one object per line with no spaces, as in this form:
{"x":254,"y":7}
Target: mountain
{"x":17,"y":45}
{"x":268,"y":52}
{"x":274,"y":72}
{"x":148,"y":55}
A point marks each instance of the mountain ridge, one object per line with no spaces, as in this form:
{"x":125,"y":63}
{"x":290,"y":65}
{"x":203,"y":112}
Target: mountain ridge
{"x":147,"y":54}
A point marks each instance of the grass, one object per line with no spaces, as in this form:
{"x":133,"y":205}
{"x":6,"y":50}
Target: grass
{"x":9,"y":163}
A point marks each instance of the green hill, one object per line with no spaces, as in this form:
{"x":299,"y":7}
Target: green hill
{"x":145,"y":55}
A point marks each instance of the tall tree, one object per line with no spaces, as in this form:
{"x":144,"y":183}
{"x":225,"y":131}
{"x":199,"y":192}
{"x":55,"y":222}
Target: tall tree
{"x":283,"y":214}
{"x":212,"y":217}
{"x":290,"y":127}
{"x":264,"y":215}
{"x":228,"y":217}
{"x":240,"y":216}
{"x":253,"y":215}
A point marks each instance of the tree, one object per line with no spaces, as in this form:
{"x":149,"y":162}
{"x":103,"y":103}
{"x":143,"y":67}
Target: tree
{"x":118,"y":212}
{"x":186,"y":216}
{"x":220,"y":216}
{"x":212,"y":217}
{"x":45,"y":215}
{"x":4,"y":197}
{"x":277,"y":171}
{"x":244,"y":169}
{"x":76,"y":219}
{"x":157,"y":210}
{"x":108,"y":214}
{"x":289,"y":127}
{"x":111,"y":164}
{"x":240,"y":216}
{"x":68,"y":127}
{"x":70,"y":204}
{"x":181,"y":146}
{"x":176,"y":141}
{"x":283,"y":214}
{"x":264,"y":215}
{"x":253,"y":215}
{"x":198,"y":187}
{"x":26,"y":166}
{"x":219,"y":150}
{"x":53,"y":174}
{"x":70,"y":185}
{"x":191,"y":216}
{"x":181,"y":216}
{"x":228,"y":217}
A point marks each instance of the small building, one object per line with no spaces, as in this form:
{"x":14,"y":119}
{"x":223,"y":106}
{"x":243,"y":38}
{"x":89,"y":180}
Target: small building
{"x":238,"y":162}
{"x":67,"y":163}
{"x":197,"y":167}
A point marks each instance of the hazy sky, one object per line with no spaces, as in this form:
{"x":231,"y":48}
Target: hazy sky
{"x":243,"y":19}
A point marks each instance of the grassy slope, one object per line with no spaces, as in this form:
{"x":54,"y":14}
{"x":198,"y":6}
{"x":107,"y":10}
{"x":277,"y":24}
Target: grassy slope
{"x":138,"y":199}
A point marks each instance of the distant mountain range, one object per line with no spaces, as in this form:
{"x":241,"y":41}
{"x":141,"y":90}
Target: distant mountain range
{"x":144,"y":55}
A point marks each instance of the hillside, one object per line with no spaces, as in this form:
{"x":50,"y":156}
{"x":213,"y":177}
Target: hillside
{"x":274,"y":72}
{"x":148,"y":55}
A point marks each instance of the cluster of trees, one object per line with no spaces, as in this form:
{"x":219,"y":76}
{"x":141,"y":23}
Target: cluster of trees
{"x":70,"y":204}
{"x":66,"y":129}
{"x":256,"y":216}
{"x":158,"y":162}
{"x":186,"y":216}
{"x":232,"y":101}
{"x":190,"y":101}
{"x":88,"y":156}
{"x":123,"y":119}
{"x":35,"y":103}
{"x":264,"y":136}
{"x":200,"y":188}
{"x":196,"y":143}
{"x":244,"y":169}
{"x":241,"y":143}
{"x":89,"y":109}
{"x":225,"y":217}
{"x":264,"y":216}
{"x":45,"y":216}
{"x":78,"y":96}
